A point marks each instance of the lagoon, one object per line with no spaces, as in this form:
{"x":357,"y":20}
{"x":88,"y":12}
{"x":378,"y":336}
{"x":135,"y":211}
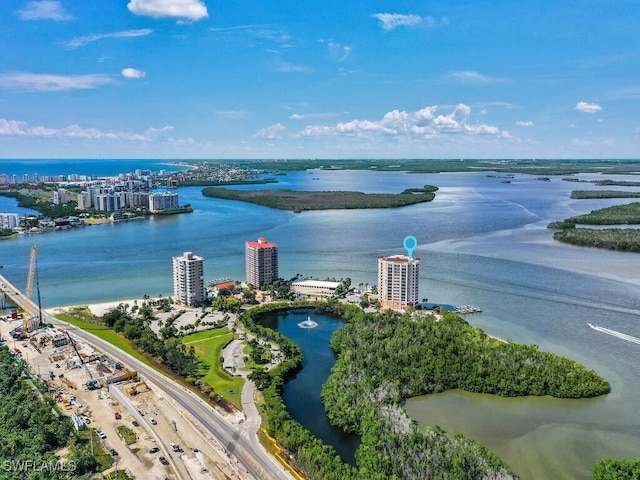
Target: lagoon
{"x":481,"y":242}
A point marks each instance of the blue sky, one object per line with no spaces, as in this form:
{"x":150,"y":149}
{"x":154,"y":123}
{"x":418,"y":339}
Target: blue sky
{"x":327,"y":79}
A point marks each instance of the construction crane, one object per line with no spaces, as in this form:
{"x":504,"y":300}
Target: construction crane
{"x":92,"y":384}
{"x":30,"y":316}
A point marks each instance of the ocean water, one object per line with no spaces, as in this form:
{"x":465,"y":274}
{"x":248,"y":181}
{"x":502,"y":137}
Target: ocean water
{"x":481,"y":242}
{"x":97,"y":167}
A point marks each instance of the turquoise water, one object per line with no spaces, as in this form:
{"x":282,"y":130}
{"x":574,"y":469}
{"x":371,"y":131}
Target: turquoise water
{"x":481,"y":242}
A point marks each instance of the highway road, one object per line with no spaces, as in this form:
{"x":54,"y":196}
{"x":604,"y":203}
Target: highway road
{"x":240,"y":441}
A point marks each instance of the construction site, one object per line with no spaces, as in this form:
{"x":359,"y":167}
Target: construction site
{"x":126,"y":416}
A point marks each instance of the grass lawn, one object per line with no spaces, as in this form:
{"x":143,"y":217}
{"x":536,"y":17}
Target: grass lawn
{"x":208,"y":345}
{"x":111,"y":336}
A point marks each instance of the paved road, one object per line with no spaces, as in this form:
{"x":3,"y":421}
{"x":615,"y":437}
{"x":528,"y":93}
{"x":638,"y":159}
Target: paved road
{"x":239,"y":440}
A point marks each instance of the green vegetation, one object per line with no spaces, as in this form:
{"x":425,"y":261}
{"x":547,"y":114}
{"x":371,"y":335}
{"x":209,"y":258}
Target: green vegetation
{"x":385,"y":358}
{"x":37,"y":200}
{"x":7,"y":232}
{"x":128,"y":435}
{"x":623,"y":239}
{"x":621,"y":183}
{"x":299,"y":201}
{"x":586,"y":194}
{"x":216,"y":183}
{"x":610,"y":469}
{"x":533,"y":167}
{"x":33,"y":431}
{"x":208,"y":347}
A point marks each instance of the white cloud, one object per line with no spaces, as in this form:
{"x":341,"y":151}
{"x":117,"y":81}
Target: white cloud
{"x":82,"y":41}
{"x":469,"y":76}
{"x":337,"y":51}
{"x":133,"y":73}
{"x":12,"y":127}
{"x":389,"y":21}
{"x":273,"y":131}
{"x":44,"y":10}
{"x":190,"y":9}
{"x":585,"y":107}
{"x":528,"y":123}
{"x":19,"y":128}
{"x":50,"y":82}
{"x":424,"y":123}
{"x":296,"y":116}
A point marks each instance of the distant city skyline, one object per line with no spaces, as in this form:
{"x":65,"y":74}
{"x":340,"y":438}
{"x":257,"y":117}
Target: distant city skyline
{"x":198,"y":79}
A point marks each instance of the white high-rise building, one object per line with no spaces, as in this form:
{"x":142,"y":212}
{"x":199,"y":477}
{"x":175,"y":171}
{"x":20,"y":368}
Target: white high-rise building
{"x":398,"y":282}
{"x":188,"y":279}
{"x":60,"y":197}
{"x":84,"y":201}
{"x":9,"y":220}
{"x":159,"y":202}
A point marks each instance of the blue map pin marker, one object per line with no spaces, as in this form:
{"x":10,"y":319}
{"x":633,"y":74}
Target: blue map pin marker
{"x":410,"y":244}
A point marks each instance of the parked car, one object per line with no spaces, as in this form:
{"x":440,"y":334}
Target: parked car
{"x":135,"y":424}
{"x":153,"y":421}
{"x":101,"y":434}
{"x":154,"y":450}
{"x":113,"y":452}
{"x":174,"y":447}
{"x":164,"y":461}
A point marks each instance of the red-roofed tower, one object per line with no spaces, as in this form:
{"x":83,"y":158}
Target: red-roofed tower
{"x":261,"y":259}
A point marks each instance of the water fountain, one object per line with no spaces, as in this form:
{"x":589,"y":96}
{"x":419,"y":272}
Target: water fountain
{"x":308,"y":323}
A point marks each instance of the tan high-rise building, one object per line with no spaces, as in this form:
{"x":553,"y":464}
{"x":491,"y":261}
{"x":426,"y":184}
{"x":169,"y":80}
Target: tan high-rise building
{"x":398,"y":282}
{"x":261,"y":261}
{"x":188,"y":279}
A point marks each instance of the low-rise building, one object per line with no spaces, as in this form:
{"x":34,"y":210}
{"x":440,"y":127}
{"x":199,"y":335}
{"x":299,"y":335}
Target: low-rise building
{"x":314,"y":288}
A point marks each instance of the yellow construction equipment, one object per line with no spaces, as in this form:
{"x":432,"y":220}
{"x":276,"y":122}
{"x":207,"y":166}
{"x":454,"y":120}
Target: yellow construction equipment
{"x":137,"y":388}
{"x":68,"y":383}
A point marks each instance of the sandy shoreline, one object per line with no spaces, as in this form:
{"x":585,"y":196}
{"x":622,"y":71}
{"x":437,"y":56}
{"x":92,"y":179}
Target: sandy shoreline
{"x":98,"y":309}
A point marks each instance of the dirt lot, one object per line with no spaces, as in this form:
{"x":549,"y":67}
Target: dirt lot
{"x":195,"y":458}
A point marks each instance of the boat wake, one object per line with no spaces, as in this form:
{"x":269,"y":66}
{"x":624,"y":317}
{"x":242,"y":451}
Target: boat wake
{"x":613,"y":333}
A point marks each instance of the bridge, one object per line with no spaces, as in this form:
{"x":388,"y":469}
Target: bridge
{"x":240,"y":439}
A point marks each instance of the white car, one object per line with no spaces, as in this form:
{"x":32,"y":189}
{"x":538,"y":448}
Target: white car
{"x":174,"y":447}
{"x":101,"y":434}
{"x":153,"y":421}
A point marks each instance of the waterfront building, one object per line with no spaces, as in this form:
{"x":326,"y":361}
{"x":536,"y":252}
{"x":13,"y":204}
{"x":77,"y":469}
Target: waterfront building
{"x":188,"y":279}
{"x":109,"y":202}
{"x":60,"y":197}
{"x":25,"y":178}
{"x":398,"y":282}
{"x":261,"y":262}
{"x":4,"y":179}
{"x":139,"y":200}
{"x":84,"y":201}
{"x":9,"y":220}
{"x":159,"y":202}
{"x":314,"y":288}
{"x":14,"y":179}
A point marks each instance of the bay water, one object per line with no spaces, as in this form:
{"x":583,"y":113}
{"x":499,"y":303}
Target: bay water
{"x":481,"y":242}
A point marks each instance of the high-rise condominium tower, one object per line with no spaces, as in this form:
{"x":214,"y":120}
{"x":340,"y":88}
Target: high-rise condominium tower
{"x":188,"y":279}
{"x":261,"y":260}
{"x":398,"y":281}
